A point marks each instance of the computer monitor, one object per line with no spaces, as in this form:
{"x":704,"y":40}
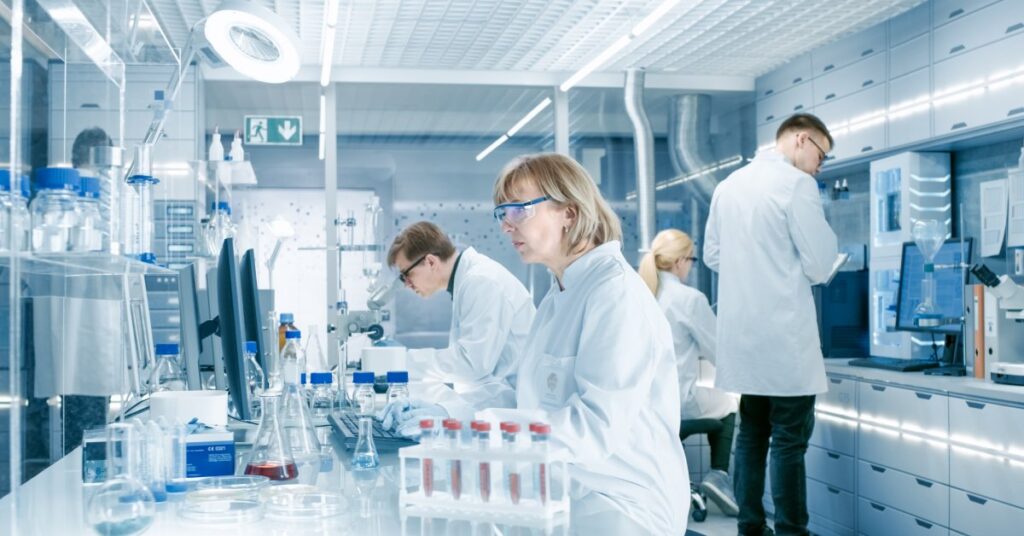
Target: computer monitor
{"x":251,"y":304}
{"x":191,"y":342}
{"x":231,"y":329}
{"x":949,"y":286}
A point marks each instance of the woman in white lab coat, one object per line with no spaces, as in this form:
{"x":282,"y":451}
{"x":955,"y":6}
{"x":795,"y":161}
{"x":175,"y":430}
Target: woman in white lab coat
{"x":598,"y":364}
{"x":664,"y":269}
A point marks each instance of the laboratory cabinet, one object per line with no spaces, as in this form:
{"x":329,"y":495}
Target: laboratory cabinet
{"x":910,"y":24}
{"x":781,"y":105}
{"x":831,"y":467}
{"x":863,"y":135}
{"x":947,"y":11}
{"x":794,"y":72}
{"x":974,"y":514}
{"x":909,"y":57}
{"x":832,"y":503}
{"x":997,"y":427}
{"x":909,"y":93}
{"x":878,"y":519}
{"x":989,"y":102}
{"x":851,"y":79}
{"x":846,"y":51}
{"x":766,"y":133}
{"x":978,"y":28}
{"x":912,"y":494}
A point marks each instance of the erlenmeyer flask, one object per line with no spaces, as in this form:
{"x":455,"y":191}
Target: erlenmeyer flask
{"x":298,"y":428}
{"x":271,"y":454}
{"x":928,"y":235}
{"x":315,"y":361}
{"x":122,"y":505}
{"x":365,"y":454}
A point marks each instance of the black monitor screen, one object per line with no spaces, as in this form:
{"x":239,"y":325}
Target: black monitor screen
{"x":232,"y":331}
{"x":949,"y":286}
{"x":251,"y":304}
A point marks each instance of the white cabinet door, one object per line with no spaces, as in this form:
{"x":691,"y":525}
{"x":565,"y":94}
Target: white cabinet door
{"x":917,"y":496}
{"x":850,"y":49}
{"x":857,"y":122}
{"x":766,"y":133}
{"x":975,"y":514}
{"x":781,"y":105}
{"x":987,"y":449}
{"x":877,"y":519}
{"x":850,"y":79}
{"x":794,"y":72}
{"x":970,"y":90}
{"x":909,"y":57}
{"x":905,"y":430}
{"x":830,"y":467}
{"x":831,"y":503}
{"x":946,"y":11}
{"x":977,"y":29}
{"x":909,"y":117}
{"x":910,"y":24}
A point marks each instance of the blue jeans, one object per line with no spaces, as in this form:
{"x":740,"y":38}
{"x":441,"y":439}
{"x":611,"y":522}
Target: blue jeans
{"x":783,"y":424}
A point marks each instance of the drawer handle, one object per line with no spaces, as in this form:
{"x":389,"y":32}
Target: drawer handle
{"x":768,"y":92}
{"x":877,"y":469}
{"x":878,"y":507}
{"x":955,"y":13}
{"x":828,"y":67}
{"x":836,"y":381}
{"x":798,"y":79}
{"x":833,"y":491}
{"x":769,"y":118}
{"x":958,"y":126}
{"x":89,"y":105}
{"x":830,"y":96}
{"x":1015,"y":111}
{"x":866,"y":52}
{"x":867,"y":83}
{"x":878,"y":387}
{"x":1015,"y":27}
{"x":832,"y":455}
{"x":976,"y":499}
{"x":923,"y":524}
{"x":866,"y":148}
{"x":924,"y":396}
{"x":975,"y":405}
{"x":798,"y":107}
{"x":925,"y":483}
{"x":956,"y":49}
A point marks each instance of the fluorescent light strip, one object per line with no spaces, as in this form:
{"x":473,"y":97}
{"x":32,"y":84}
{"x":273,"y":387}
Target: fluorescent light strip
{"x":722,"y":164}
{"x":490,"y":148}
{"x":528,"y":117}
{"x":593,"y":64}
{"x":327,"y":41}
{"x":653,"y":17}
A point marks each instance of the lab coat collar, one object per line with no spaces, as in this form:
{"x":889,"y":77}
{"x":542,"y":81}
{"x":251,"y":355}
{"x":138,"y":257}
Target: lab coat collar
{"x":668,"y":278}
{"x":577,"y":271}
{"x":772,"y":155}
{"x":455,"y":271}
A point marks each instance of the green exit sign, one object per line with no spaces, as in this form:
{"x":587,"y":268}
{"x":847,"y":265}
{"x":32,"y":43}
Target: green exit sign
{"x":273,"y":130}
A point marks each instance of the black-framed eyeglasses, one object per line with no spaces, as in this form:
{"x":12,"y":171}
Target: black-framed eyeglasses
{"x":693,"y":259}
{"x":818,"y":147}
{"x":405,"y":273}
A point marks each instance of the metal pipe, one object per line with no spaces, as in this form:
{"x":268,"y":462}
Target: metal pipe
{"x":643,"y":143}
{"x":689,"y":140}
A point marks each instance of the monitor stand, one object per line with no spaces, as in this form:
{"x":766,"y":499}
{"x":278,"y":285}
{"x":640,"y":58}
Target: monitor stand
{"x":952,"y":362}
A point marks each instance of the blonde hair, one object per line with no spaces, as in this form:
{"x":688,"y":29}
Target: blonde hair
{"x":566,"y":183}
{"x":668,"y":247}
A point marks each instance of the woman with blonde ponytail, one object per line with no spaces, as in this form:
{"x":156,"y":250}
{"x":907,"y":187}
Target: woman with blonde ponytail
{"x":664,"y":269}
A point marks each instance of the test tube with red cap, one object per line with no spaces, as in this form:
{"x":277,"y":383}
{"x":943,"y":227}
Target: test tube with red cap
{"x":540,"y":433}
{"x":427,"y":437}
{"x":482,"y":435}
{"x":513,"y":476}
{"x":452,"y":428}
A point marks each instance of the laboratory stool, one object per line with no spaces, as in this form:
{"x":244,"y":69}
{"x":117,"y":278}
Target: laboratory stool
{"x":687,"y":428}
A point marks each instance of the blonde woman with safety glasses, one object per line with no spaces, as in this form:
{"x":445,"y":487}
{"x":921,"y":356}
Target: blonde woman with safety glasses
{"x":598,"y":364}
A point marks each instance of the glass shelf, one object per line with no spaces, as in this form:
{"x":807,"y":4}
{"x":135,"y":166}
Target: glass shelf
{"x":78,"y":264}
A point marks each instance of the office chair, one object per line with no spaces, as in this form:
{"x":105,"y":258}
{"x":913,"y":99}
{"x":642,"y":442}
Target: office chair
{"x":687,"y":428}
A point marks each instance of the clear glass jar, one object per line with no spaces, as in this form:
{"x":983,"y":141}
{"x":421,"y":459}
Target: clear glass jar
{"x":364,"y":395}
{"x":323,"y":394}
{"x":21,"y":216}
{"x":398,"y":385}
{"x":220,"y":227}
{"x":54,"y":211}
{"x":90,"y":234}
{"x":167,"y":374}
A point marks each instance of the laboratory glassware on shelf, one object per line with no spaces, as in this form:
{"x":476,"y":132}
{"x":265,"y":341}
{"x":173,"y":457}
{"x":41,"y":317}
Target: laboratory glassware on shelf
{"x":220,"y":226}
{"x":122,"y":505}
{"x":271,"y":454}
{"x":167,"y":374}
{"x":54,"y":210}
{"x":90,"y":235}
{"x":14,"y":208}
{"x":142,"y":182}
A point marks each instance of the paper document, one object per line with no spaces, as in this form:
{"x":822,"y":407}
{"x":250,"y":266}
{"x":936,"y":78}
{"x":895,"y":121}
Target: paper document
{"x":993,"y":216}
{"x":1015,"y":232}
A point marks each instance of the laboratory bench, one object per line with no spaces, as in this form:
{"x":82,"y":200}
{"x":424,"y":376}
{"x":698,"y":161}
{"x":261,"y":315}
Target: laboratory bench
{"x":911,"y":454}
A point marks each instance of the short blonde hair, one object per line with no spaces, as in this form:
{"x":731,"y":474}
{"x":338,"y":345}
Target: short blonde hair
{"x":566,"y":183}
{"x":667,"y":248}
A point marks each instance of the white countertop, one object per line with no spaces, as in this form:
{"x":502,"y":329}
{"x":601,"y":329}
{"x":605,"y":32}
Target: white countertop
{"x":966,"y":387}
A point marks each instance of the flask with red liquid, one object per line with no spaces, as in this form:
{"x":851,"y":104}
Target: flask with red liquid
{"x":271,"y":454}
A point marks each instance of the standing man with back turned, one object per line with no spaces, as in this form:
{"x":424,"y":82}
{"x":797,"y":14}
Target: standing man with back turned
{"x":768,"y":239}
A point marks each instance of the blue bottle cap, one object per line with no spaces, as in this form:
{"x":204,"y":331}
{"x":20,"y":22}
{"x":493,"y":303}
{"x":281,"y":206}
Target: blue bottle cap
{"x":250,"y":347}
{"x":58,"y":178}
{"x":221,"y":205}
{"x":292,"y":334}
{"x":302,"y":378}
{"x":167,"y":349}
{"x":90,"y":188}
{"x":26,"y":187}
{"x":362,"y":378}
{"x":287,"y":318}
{"x":148,"y":258}
{"x":5,"y":180}
{"x":398,"y":376}
{"x":321,"y":378}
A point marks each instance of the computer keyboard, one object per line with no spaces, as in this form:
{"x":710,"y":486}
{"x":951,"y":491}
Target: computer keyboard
{"x":347,"y":426}
{"x":894,"y":363}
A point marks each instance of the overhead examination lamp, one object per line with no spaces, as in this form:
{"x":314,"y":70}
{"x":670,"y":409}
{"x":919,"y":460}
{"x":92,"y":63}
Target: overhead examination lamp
{"x":249,"y":38}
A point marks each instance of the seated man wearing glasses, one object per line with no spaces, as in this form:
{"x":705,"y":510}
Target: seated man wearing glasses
{"x":491,"y":316}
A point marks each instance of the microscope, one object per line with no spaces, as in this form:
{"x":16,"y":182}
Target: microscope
{"x":1010,"y":297}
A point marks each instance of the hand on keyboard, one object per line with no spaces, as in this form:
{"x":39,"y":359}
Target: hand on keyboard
{"x":404,"y":416}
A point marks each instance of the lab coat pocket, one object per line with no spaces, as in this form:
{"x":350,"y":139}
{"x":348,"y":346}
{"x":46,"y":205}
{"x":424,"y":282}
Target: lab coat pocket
{"x":555,"y":377}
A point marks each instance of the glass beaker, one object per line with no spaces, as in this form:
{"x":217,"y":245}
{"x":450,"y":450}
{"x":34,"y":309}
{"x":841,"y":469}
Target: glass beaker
{"x":365,"y":454}
{"x":929,"y":236}
{"x":271,"y":454}
{"x":122,"y":505}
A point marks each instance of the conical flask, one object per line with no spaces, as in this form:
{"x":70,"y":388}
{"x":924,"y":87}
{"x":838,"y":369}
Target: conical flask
{"x":365,"y":454}
{"x":929,"y":236}
{"x":271,"y":454}
{"x":298,"y":428}
{"x":123,"y":505}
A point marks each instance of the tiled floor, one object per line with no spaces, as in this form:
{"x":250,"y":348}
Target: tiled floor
{"x":716,"y":524}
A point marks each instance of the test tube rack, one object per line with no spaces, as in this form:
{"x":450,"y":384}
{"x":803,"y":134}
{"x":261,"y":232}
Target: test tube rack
{"x":414,"y":501}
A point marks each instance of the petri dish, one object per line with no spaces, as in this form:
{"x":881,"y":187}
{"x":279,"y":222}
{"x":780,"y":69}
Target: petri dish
{"x":241,"y":486}
{"x":222,"y":511}
{"x":304,"y":506}
{"x":269,"y":491}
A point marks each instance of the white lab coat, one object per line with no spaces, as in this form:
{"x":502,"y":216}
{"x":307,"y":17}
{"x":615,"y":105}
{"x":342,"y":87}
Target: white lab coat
{"x":599,"y":367}
{"x":491,"y":316}
{"x":768,"y":239}
{"x":693,"y":336}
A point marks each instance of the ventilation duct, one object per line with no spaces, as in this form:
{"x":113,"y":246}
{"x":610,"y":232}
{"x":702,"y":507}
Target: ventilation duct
{"x":689,"y":141}
{"x":643,"y":144}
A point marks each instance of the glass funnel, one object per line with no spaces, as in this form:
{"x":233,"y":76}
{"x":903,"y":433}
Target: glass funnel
{"x":123,"y":505}
{"x":271,"y":454}
{"x":929,"y":236}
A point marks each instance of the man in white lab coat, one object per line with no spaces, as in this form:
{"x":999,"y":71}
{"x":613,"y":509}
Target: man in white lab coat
{"x":768,"y":239}
{"x":491,"y":316}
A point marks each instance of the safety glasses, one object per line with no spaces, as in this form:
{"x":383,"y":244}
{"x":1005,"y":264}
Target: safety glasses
{"x":405,"y":273}
{"x":516,"y":213}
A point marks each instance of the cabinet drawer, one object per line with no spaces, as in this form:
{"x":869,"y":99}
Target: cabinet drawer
{"x":909,"y":117}
{"x":910,"y":24}
{"x":175,"y":229}
{"x":880,"y":520}
{"x":977,"y":29}
{"x":794,"y":72}
{"x":174,"y":210}
{"x":909,"y":57}
{"x":830,"y":467}
{"x":899,"y":407}
{"x":975,"y":514}
{"x":998,"y":471}
{"x":830,"y":502}
{"x":165,"y":319}
{"x":781,"y":105}
{"x":840,"y":397}
{"x":946,"y":11}
{"x":823,"y":526}
{"x":914,"y":495}
{"x":850,"y":79}
{"x":892,"y":448}
{"x":163,"y":300}
{"x":848,"y":50}
{"x":834,"y":434}
{"x":856,"y":121}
